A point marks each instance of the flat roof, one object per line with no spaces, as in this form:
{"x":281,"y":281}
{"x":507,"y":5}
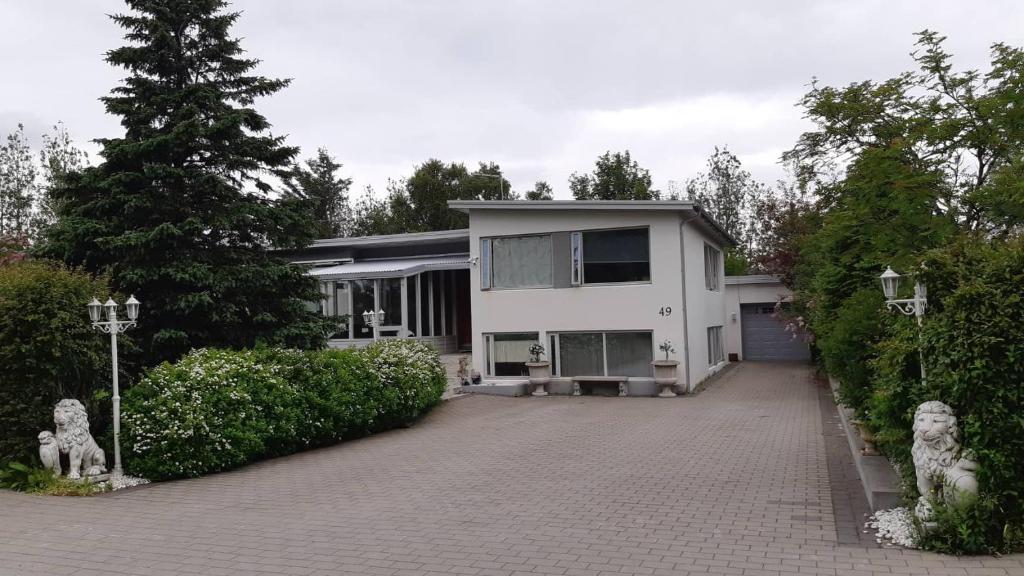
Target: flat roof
{"x":393,"y":239}
{"x":391,"y":268}
{"x":754,"y":279}
{"x":616,"y":205}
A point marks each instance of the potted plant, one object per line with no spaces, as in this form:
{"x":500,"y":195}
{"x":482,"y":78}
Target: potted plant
{"x":665,"y":371}
{"x":540,"y":370}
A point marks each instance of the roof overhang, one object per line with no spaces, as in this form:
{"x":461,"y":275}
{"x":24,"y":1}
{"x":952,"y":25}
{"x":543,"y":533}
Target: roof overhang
{"x":390,"y":268}
{"x":393,"y":239}
{"x":591,"y":205}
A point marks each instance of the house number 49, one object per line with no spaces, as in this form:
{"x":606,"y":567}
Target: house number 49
{"x":665,"y":311}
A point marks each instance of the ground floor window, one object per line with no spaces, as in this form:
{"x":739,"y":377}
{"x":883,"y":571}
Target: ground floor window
{"x":716,"y":353}
{"x":507,"y":353}
{"x":601,"y":353}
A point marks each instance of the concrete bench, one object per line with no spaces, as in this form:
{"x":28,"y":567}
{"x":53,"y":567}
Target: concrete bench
{"x":577,"y":381}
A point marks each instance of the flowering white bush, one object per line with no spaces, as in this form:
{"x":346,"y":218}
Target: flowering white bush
{"x":218,"y":409}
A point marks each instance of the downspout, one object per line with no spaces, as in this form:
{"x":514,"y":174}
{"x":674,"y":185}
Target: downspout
{"x":686,"y":306}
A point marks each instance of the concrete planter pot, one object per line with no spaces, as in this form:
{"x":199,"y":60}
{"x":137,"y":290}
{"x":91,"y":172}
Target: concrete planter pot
{"x":540,"y":375}
{"x":665,"y":376}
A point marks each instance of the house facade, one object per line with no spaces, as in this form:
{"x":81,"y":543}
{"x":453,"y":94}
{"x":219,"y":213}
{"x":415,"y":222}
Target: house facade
{"x":600,"y":284}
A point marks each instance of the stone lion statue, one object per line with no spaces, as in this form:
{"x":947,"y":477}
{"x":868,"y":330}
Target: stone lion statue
{"x":943,"y":469}
{"x":72,"y":437}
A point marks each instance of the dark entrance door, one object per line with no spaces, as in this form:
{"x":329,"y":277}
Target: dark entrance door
{"x":463,"y":324}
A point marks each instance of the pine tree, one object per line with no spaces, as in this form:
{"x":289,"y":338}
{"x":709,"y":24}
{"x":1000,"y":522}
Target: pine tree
{"x":326,"y":193}
{"x":181,"y":211}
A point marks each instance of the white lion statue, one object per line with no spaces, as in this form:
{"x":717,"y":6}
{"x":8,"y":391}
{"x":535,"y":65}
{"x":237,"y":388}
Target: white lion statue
{"x":85,"y":458}
{"x":943,"y":470}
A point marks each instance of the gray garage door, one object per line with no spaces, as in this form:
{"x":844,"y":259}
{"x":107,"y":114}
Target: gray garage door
{"x":765,"y":338}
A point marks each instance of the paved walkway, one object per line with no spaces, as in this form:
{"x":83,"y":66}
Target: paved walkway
{"x":732,"y":481}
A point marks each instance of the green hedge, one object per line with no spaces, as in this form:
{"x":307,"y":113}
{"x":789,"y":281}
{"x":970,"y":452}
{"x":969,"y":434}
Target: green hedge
{"x":48,"y":351}
{"x":219,"y":409}
{"x":973,"y":344}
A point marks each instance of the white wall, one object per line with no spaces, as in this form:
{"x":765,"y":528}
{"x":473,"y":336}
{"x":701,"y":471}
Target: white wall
{"x":613,"y":307}
{"x":705,"y":308}
{"x":736,"y":294}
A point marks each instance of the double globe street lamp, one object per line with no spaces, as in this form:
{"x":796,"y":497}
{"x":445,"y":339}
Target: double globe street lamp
{"x":374,"y":320}
{"x":908,"y":306}
{"x":113,"y":326}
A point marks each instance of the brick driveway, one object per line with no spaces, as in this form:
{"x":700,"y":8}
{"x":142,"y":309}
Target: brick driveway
{"x":732,"y":481}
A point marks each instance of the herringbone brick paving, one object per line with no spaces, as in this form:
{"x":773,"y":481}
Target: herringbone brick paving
{"x":733,"y":481}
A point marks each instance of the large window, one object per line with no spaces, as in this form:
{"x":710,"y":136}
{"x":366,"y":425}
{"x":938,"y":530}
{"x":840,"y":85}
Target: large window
{"x":716,"y":354}
{"x":611,"y":256}
{"x":712,"y":267}
{"x":602,"y":353}
{"x":516,"y":262}
{"x":508,"y":353}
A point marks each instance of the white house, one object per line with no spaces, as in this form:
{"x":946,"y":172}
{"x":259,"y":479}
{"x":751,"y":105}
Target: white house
{"x":600,"y":284}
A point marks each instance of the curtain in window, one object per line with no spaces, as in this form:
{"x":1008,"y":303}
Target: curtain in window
{"x":511,"y":352}
{"x":616,"y":256}
{"x":521,"y":262}
{"x":629,"y":353}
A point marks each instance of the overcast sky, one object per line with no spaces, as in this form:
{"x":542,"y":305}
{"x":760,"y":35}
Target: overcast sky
{"x":540,"y":87}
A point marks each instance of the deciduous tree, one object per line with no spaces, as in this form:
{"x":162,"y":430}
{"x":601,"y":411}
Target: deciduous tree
{"x":616,"y":176}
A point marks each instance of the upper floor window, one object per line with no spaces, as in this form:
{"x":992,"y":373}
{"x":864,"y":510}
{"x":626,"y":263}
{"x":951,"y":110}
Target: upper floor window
{"x":712,"y":267}
{"x":516,"y":262}
{"x":611,"y":256}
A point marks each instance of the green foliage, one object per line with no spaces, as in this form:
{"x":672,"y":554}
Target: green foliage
{"x":736,"y":263}
{"x":182,"y":211}
{"x":17,"y":184}
{"x":48,"y":351}
{"x":615,"y":177}
{"x":324,"y":193}
{"x":973,"y":346}
{"x":963,"y":528}
{"x":23,"y":478}
{"x":219,"y":409}
{"x":541,"y":191}
{"x":420,"y":202}
{"x":728,"y":193}
{"x":845,"y":342}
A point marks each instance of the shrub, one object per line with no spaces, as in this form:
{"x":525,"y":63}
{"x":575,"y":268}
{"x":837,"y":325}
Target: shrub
{"x":973,"y":343}
{"x":48,"y":351}
{"x":218,"y":409}
{"x":846,"y":343}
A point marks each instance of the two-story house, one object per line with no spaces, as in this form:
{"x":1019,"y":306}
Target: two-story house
{"x":600,"y":284}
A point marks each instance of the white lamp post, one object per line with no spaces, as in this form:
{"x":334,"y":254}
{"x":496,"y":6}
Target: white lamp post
{"x":374,"y":320}
{"x":113,"y":326}
{"x":909,"y":306}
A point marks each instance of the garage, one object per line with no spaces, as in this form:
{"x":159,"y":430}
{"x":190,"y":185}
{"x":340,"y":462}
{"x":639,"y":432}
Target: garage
{"x":765,"y":338}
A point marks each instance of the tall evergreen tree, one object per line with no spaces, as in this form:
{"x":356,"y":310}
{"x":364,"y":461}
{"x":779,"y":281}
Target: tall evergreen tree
{"x":180,"y":212}
{"x":326,"y":193}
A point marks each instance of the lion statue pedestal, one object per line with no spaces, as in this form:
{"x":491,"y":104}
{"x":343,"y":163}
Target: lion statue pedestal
{"x":943,"y":469}
{"x":85,"y":458}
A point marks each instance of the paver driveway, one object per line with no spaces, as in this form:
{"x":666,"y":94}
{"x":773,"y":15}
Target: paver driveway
{"x":731,"y":481}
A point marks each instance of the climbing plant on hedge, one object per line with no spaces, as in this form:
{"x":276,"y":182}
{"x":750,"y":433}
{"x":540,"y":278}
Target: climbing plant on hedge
{"x":218,"y":409}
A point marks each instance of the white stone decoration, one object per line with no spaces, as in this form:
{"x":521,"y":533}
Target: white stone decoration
{"x":943,"y":469}
{"x":72,"y":437}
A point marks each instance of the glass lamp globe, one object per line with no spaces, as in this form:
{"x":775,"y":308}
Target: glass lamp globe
{"x":111,"y":307}
{"x":133,"y":308}
{"x":94,"y":310}
{"x":890,"y":283}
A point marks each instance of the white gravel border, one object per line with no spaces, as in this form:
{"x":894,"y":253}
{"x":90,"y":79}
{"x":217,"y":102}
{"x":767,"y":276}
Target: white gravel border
{"x":893,"y":527}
